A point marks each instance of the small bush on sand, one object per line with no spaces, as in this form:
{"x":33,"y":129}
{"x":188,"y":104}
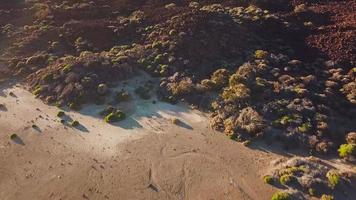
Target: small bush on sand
{"x":333,"y":178}
{"x":281,"y":196}
{"x":268,"y":179}
{"x":175,"y":121}
{"x":60,"y":114}
{"x":115,"y":116}
{"x":13,"y":136}
{"x":37,"y":90}
{"x":74,"y":123}
{"x":346,"y":150}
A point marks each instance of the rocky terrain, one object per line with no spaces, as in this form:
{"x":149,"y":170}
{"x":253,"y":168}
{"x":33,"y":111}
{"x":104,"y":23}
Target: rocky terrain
{"x":276,"y":71}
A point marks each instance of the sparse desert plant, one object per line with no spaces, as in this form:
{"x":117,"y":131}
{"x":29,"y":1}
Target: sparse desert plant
{"x":333,"y":178}
{"x":268,"y":179}
{"x":208,"y":84}
{"x":220,"y":77}
{"x":75,"y":123}
{"x":281,"y":196}
{"x":305,"y":127}
{"x":261,"y":54}
{"x":175,"y":121}
{"x":285,"y":179}
{"x":326,"y":197}
{"x":67,"y":68}
{"x":183,"y":87}
{"x":250,"y":121}
{"x":236,"y":92}
{"x":13,"y":136}
{"x":60,"y":114}
{"x":351,"y":138}
{"x":346,"y":150}
{"x":115,"y":116}
{"x":37,"y":91}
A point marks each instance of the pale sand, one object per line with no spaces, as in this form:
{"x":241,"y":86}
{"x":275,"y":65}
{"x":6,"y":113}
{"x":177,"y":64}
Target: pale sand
{"x":143,"y":157}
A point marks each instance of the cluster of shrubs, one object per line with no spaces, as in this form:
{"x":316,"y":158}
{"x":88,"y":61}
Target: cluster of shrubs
{"x":73,"y":81}
{"x":112,"y":114}
{"x":211,"y":55}
{"x":310,"y":177}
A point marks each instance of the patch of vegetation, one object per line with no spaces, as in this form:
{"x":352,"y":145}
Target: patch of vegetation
{"x":37,"y":90}
{"x":346,"y":150}
{"x":115,"y":116}
{"x":60,"y":113}
{"x":281,"y":196}
{"x":285,"y":179}
{"x":238,"y":92}
{"x":268,"y":179}
{"x":305,"y":127}
{"x":333,"y":178}
{"x":175,"y":121}
{"x":13,"y":136}
{"x":326,"y":197}
{"x":75,"y":123}
{"x":261,"y":54}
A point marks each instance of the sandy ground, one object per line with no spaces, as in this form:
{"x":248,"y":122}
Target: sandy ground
{"x":143,"y":157}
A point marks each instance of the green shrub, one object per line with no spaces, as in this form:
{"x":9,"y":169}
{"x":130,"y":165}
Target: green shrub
{"x":281,"y":196}
{"x":13,"y":136}
{"x":67,"y":68}
{"x":37,"y":91}
{"x":268,"y":179}
{"x":260,"y":54}
{"x":346,"y":150}
{"x":74,"y":123}
{"x":285,"y":179}
{"x":250,"y":121}
{"x":305,"y":127}
{"x":326,"y":197}
{"x":183,"y":87}
{"x":60,"y":114}
{"x":333,"y":178}
{"x":236,"y":93}
{"x":115,"y":116}
{"x":220,"y":77}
